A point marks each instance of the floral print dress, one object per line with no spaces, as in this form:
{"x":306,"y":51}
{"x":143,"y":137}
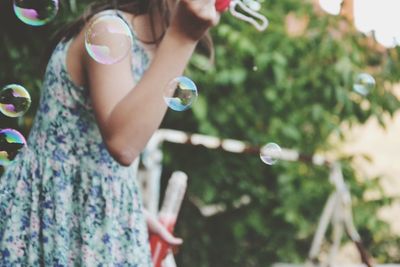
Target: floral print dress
{"x":64,"y":201}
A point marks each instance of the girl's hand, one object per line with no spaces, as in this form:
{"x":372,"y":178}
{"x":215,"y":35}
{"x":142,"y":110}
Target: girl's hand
{"x":155,"y":227}
{"x":192,"y":18}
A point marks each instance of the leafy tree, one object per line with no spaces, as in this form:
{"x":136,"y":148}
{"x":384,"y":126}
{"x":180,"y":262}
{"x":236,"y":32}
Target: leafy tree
{"x":290,"y":87}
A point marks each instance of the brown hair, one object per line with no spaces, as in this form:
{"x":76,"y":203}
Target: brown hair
{"x":135,"y":7}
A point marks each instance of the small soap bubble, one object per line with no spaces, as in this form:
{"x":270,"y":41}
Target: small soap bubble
{"x":270,"y":153}
{"x":253,"y":4}
{"x":14,"y":100}
{"x":11,"y":141}
{"x":108,"y":39}
{"x":36,"y":12}
{"x":180,"y":93}
{"x":255,"y":68}
{"x":364,"y":84}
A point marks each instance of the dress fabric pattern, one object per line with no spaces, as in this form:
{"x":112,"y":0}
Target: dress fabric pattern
{"x":64,"y":201}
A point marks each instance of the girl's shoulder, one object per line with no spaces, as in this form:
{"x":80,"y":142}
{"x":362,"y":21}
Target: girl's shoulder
{"x":138,"y":31}
{"x":127,"y":17}
{"x":111,"y":19}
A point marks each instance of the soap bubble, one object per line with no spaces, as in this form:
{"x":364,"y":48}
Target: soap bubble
{"x":270,"y":153}
{"x":108,"y":39}
{"x":364,"y":84}
{"x":253,"y":4}
{"x":11,"y":141}
{"x":14,"y":100}
{"x":36,"y":12}
{"x":180,"y":93}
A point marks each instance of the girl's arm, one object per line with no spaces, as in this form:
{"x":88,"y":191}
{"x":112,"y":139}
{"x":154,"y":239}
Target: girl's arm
{"x":128,"y":115}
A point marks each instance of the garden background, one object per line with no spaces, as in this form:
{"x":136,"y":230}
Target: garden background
{"x":291,"y":85}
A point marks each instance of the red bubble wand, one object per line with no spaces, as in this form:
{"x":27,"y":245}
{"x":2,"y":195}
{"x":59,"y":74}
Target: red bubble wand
{"x":168,"y":215}
{"x":248,"y":11}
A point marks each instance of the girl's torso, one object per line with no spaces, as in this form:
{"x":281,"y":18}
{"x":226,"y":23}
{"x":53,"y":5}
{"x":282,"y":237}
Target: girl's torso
{"x":65,"y":127}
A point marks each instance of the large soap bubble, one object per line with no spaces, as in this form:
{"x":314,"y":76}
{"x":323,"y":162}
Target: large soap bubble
{"x":108,"y":39}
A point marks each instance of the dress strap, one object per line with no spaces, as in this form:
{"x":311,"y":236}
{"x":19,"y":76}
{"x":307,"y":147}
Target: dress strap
{"x":124,"y":18}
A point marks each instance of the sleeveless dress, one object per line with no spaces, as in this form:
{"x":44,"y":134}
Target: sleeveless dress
{"x":64,"y":201}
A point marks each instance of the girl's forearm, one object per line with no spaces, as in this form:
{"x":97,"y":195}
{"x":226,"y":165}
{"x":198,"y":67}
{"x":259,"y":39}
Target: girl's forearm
{"x":135,"y":118}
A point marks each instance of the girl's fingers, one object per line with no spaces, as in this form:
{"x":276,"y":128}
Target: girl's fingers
{"x":202,"y":2}
{"x":208,"y":13}
{"x":155,"y":227}
{"x":198,"y":6}
{"x":192,"y":18}
{"x":169,"y":238}
{"x":216,"y":19}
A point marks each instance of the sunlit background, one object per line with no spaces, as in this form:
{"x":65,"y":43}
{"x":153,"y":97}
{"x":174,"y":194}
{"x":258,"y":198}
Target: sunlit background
{"x":378,"y":18}
{"x":291,"y":86}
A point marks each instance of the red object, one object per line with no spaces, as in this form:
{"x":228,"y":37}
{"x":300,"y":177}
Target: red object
{"x":222,"y":5}
{"x":168,"y":214}
{"x":159,"y":248}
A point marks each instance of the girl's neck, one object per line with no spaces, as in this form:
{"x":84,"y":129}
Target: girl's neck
{"x":148,"y":27}
{"x":142,"y":26}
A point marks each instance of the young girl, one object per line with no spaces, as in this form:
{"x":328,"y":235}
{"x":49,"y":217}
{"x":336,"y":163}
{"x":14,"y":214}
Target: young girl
{"x":70,"y":197}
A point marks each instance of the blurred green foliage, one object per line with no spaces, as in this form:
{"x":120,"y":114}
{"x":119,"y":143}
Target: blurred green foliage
{"x":294,"y":89}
